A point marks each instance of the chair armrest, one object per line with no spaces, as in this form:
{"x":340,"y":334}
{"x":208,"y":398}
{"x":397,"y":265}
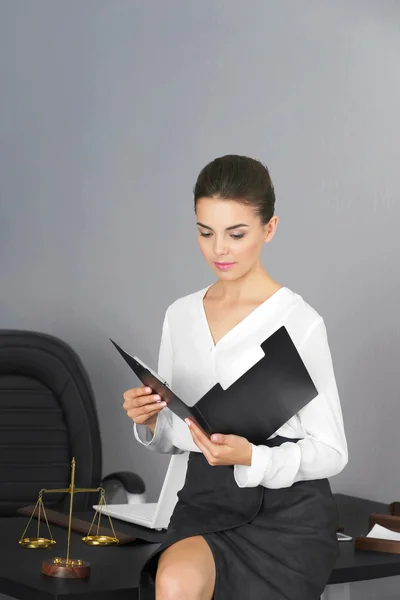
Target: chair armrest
{"x":131,"y":483}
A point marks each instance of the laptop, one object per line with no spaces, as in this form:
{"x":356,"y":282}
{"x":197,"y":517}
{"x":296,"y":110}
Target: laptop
{"x":154,"y":515}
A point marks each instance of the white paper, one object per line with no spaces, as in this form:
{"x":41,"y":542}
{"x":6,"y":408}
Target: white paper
{"x":383,"y":533}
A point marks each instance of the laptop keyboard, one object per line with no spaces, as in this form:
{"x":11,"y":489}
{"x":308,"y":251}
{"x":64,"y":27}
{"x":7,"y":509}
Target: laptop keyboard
{"x":144,"y":510}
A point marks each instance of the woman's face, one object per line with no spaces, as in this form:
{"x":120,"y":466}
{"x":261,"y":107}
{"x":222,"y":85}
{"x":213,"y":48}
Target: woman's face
{"x":231,"y":232}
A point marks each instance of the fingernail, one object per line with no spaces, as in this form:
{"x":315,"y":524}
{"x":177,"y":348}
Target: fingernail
{"x":147,"y":389}
{"x":187,"y":422}
{"x":163,"y":403}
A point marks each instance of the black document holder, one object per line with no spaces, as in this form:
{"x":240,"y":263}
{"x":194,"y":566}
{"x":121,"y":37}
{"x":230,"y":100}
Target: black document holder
{"x":267,"y":395}
{"x":161,"y":387}
{"x":259,"y":402}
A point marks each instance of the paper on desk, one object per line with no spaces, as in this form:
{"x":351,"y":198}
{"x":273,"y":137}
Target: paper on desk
{"x":383,"y":533}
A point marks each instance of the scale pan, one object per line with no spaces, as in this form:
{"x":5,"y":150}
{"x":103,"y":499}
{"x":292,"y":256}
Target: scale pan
{"x":36,"y":542}
{"x":99,"y":540}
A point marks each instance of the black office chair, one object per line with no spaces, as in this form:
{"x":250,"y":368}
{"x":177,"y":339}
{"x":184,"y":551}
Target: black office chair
{"x":48,"y":416}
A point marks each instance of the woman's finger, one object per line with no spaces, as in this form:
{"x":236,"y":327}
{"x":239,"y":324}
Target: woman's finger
{"x":143,"y":417}
{"x":199,"y":444}
{"x":201,"y":436}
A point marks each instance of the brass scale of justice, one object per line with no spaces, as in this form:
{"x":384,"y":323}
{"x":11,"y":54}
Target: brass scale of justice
{"x":67,"y":567}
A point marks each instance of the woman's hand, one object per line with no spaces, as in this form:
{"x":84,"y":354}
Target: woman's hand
{"x":221,"y":449}
{"x":141,"y":407}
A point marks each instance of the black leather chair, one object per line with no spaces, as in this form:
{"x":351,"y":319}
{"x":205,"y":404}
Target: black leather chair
{"x":48,"y":416}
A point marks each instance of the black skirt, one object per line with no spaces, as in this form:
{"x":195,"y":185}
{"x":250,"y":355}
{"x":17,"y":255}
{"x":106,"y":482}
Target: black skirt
{"x":277,"y":544}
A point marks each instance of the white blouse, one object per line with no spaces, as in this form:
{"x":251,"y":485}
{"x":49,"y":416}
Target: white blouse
{"x":191,"y":364}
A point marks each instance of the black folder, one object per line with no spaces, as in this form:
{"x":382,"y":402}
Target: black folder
{"x":151,"y":379}
{"x":257,"y":404}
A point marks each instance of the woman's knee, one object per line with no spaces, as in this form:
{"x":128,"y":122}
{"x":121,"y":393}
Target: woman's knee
{"x":179,"y":583}
{"x":186,"y":571}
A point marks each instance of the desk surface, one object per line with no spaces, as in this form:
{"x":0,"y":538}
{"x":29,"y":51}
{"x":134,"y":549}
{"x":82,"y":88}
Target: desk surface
{"x":115,"y":570}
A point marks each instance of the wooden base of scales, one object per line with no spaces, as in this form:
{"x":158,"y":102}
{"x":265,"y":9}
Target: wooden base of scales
{"x":66,"y":567}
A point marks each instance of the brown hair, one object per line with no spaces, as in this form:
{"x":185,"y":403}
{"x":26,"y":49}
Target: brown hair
{"x":235,"y":177}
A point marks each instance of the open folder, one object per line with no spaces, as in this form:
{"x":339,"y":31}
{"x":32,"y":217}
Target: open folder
{"x":257,"y":404}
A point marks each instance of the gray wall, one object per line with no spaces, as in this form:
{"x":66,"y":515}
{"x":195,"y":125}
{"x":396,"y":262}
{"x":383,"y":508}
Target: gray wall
{"x":109,"y":109}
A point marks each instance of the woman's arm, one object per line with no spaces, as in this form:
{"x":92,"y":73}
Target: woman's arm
{"x":323,"y":452}
{"x":161,"y":440}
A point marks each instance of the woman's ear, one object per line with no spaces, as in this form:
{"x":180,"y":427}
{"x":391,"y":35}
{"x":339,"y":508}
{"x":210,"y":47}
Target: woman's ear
{"x":270,"y":229}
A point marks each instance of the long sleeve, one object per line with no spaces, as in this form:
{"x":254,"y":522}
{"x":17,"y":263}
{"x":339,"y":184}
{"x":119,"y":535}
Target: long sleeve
{"x":323,"y":452}
{"x":161,"y":441}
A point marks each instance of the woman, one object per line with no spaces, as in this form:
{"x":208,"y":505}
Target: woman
{"x":254,"y":521}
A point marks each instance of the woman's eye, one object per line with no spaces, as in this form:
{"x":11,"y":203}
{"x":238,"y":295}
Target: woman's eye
{"x":235,"y":237}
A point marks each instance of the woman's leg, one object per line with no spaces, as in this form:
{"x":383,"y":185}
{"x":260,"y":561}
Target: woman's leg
{"x":186,"y":571}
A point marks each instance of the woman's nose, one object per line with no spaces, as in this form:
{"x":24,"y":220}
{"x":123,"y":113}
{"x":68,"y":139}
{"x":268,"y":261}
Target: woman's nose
{"x":220,"y":248}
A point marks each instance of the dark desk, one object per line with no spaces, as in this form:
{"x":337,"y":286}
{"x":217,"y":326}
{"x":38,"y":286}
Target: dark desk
{"x":115,"y":570}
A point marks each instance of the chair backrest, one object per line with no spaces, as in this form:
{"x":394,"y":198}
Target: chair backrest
{"x":47,"y":417}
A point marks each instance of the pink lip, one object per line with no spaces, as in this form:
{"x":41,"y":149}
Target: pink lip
{"x":224,"y":266}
